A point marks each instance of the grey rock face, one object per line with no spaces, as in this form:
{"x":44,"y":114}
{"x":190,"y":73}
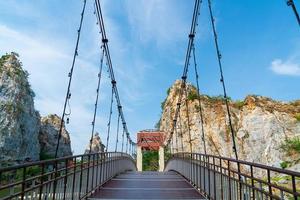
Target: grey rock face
{"x":19,"y":121}
{"x":96,"y":146}
{"x":48,"y":136}
{"x":261,"y":126}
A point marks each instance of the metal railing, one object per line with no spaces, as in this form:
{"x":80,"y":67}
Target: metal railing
{"x":219,"y":178}
{"x":73,"y":177}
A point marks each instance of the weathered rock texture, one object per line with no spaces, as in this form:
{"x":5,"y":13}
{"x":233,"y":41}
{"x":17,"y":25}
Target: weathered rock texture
{"x":19,"y":121}
{"x":261,"y":126}
{"x":48,"y":136}
{"x":24,"y":136}
{"x":96,"y":146}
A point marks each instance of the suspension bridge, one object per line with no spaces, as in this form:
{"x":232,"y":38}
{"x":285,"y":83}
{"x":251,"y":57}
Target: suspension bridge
{"x":119,"y":175}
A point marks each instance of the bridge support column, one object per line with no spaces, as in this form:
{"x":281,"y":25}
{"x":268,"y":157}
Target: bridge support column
{"x":161,"y":159}
{"x":139,"y":158}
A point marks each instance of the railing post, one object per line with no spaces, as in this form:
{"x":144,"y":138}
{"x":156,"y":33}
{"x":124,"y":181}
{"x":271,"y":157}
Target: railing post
{"x":42,"y":181}
{"x":23,"y":183}
{"x":221,"y":178}
{"x":229,"y":180}
{"x":269,"y":182}
{"x":55,"y":180}
{"x":97,"y":170}
{"x":294,"y":187}
{"x":93,"y":172}
{"x":215,"y":194}
{"x":65,"y":178}
{"x":80,"y":182}
{"x":74,"y":178}
{"x":252,"y":182}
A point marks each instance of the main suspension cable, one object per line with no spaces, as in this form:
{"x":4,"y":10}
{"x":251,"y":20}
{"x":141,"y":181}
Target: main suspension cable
{"x":186,"y":65}
{"x":292,"y":4}
{"x":68,"y":95}
{"x":109,"y":63}
{"x":97,"y":98}
{"x":219,"y":56}
{"x":109,"y":118}
{"x":199,"y":100}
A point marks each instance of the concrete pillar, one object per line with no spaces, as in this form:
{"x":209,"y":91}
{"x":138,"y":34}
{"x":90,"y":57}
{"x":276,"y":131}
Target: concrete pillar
{"x":139,"y":158}
{"x":161,"y":159}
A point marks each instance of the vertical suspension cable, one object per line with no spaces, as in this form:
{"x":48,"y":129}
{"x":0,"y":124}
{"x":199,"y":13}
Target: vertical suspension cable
{"x":123,"y":139}
{"x":188,"y":117}
{"x":97,"y":98}
{"x":68,"y":95}
{"x":181,"y":134}
{"x":127,"y":144}
{"x":292,"y":4}
{"x":110,"y":114}
{"x":199,"y":100}
{"x":118,"y":127}
{"x":176,"y":139}
{"x":219,"y":56}
{"x":109,"y":62}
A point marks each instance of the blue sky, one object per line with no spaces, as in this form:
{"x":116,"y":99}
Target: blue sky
{"x":259,"y":41}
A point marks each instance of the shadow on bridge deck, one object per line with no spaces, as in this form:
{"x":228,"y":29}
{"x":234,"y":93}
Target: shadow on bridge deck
{"x":147,"y":185}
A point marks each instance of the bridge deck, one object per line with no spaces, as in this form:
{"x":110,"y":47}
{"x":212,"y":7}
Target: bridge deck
{"x":147,"y":185}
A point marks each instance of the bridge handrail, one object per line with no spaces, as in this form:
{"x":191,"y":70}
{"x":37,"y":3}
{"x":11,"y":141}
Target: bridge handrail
{"x":222,"y":176}
{"x":29,"y":164}
{"x":70,"y":177}
{"x":262,"y":166}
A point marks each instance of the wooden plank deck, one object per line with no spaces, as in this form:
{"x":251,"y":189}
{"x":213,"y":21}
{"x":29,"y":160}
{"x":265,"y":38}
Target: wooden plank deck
{"x":147,"y":185}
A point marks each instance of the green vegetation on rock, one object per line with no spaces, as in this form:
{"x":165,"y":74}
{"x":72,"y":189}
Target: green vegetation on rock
{"x":291,"y":145}
{"x":192,"y":95}
{"x":297,"y":116}
{"x":239,"y":104}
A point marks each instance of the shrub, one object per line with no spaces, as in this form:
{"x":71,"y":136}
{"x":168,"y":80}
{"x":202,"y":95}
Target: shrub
{"x":162,"y":105}
{"x":284,"y":164}
{"x":291,"y":145}
{"x":45,"y":156}
{"x":168,"y":91}
{"x":192,"y":95}
{"x":297,"y":116}
{"x":218,"y":98}
{"x":239,"y":104}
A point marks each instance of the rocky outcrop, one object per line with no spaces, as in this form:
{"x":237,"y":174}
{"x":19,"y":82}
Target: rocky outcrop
{"x":96,"y":146}
{"x":48,"y":136}
{"x":24,"y":135}
{"x":261,"y":126}
{"x":19,"y":121}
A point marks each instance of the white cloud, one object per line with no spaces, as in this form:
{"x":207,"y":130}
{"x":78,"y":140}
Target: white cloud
{"x":48,"y":63}
{"x":156,"y":20}
{"x":289,"y":67}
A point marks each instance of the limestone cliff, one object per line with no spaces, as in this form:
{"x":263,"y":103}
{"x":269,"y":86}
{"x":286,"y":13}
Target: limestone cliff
{"x":48,"y":136}
{"x":19,"y":121}
{"x":24,"y":135}
{"x":97,"y":145}
{"x":262,"y":127}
